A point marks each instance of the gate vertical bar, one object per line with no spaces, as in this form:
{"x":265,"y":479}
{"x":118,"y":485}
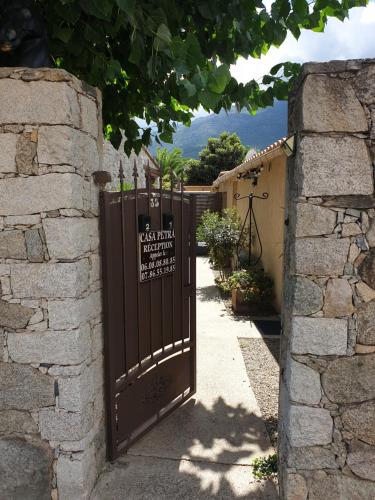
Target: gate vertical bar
{"x":193,"y":293}
{"x":148,"y":185}
{"x":135,"y":175}
{"x":173,"y":335}
{"x":182,"y":265}
{"x":250,"y":225}
{"x":162,"y":228}
{"x":121,"y":176}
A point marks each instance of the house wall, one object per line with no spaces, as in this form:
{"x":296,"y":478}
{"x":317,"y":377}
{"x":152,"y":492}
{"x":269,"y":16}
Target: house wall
{"x":269,"y":216}
{"x":327,"y":389}
{"x":227,"y":189}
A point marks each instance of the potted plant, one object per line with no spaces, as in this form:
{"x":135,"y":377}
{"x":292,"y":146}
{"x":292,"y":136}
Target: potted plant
{"x":252,"y":291}
{"x":221,"y":232}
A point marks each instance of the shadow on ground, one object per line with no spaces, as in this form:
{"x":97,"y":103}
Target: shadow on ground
{"x":188,"y":456}
{"x":267,"y":327}
{"x":208,"y":294}
{"x":204,"y":449}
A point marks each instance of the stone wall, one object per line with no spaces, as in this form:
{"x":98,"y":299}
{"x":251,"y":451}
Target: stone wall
{"x":111,"y":163}
{"x":327,"y":391}
{"x":52,"y":439}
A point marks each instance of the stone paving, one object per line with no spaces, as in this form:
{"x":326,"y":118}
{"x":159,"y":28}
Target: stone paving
{"x":204,"y":449}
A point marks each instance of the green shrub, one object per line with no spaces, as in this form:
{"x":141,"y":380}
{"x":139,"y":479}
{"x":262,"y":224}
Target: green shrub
{"x":223,"y":286}
{"x":206,"y":228}
{"x":126,"y":186}
{"x":254,"y":284}
{"x":265,"y":467}
{"x":221,"y":232}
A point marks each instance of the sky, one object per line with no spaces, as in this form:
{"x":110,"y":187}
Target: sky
{"x":354,"y":38}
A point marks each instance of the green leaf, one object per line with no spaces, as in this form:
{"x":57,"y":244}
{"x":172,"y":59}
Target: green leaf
{"x":189,"y":87}
{"x":266,"y":97}
{"x":321,"y":4}
{"x":137,"y":146}
{"x":280,"y":9}
{"x":149,"y":58}
{"x":275,"y":69}
{"x":63,"y":34}
{"x":178,"y":48}
{"x":281,"y":90}
{"x":259,"y":4}
{"x":150,"y":68}
{"x":318,"y":21}
{"x":205,"y":11}
{"x":300,"y":7}
{"x":102,"y":9}
{"x":267,"y":79}
{"x":128,"y":6}
{"x":265,"y":48}
{"x":293,"y":25}
{"x":146,"y":136}
{"x":163,"y":37}
{"x":200,"y":78}
{"x":113,"y":69}
{"x":136,"y":51}
{"x":166,"y":136}
{"x":291,"y":69}
{"x":71,"y":14}
{"x":209,"y":99}
{"x":219,"y":79}
{"x":164,"y":34}
{"x":194,"y":56}
{"x":92,"y":35}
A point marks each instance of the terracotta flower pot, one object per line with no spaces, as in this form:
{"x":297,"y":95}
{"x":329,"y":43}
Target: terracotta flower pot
{"x":238,"y":302}
{"x":239,"y":305}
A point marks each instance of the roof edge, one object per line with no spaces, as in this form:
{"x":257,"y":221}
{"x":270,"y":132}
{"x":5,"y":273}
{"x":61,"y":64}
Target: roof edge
{"x":151,"y":158}
{"x":270,"y":152}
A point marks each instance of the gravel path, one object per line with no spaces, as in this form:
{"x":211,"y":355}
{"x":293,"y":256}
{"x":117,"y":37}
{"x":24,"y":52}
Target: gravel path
{"x":261,"y":358}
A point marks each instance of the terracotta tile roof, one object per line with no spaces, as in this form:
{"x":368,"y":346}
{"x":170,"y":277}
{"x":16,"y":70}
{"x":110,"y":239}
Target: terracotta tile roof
{"x":251,"y":162}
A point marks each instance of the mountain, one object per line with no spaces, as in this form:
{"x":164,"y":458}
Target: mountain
{"x":266,"y":127}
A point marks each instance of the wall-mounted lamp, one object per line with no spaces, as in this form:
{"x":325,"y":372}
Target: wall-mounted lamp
{"x":289,"y":146}
{"x":250,"y":174}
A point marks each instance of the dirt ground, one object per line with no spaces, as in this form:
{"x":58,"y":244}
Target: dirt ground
{"x":261,"y":358}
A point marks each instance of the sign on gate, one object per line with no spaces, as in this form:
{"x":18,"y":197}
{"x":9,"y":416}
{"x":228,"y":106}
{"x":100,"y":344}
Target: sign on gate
{"x":157,"y":254}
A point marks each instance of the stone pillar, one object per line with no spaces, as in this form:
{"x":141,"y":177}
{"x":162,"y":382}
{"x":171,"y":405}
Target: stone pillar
{"x":51,"y":370}
{"x":327,"y":401}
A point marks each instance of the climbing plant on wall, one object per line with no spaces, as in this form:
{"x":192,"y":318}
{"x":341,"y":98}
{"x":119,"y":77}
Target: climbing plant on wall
{"x":161,"y":59}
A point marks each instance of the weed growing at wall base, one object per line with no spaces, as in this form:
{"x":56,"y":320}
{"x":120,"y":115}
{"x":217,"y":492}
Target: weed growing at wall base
{"x":265,"y":467}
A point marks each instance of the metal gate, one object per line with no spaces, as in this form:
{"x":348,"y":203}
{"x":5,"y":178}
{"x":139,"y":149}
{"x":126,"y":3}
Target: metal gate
{"x":148,"y":261}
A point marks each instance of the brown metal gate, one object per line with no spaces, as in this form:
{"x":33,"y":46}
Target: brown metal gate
{"x":148,"y":247}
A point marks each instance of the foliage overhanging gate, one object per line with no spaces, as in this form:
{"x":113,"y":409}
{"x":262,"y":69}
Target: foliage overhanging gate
{"x":148,"y":259}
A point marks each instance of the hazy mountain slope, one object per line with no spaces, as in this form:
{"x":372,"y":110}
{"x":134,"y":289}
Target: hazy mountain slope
{"x":257,"y":131}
